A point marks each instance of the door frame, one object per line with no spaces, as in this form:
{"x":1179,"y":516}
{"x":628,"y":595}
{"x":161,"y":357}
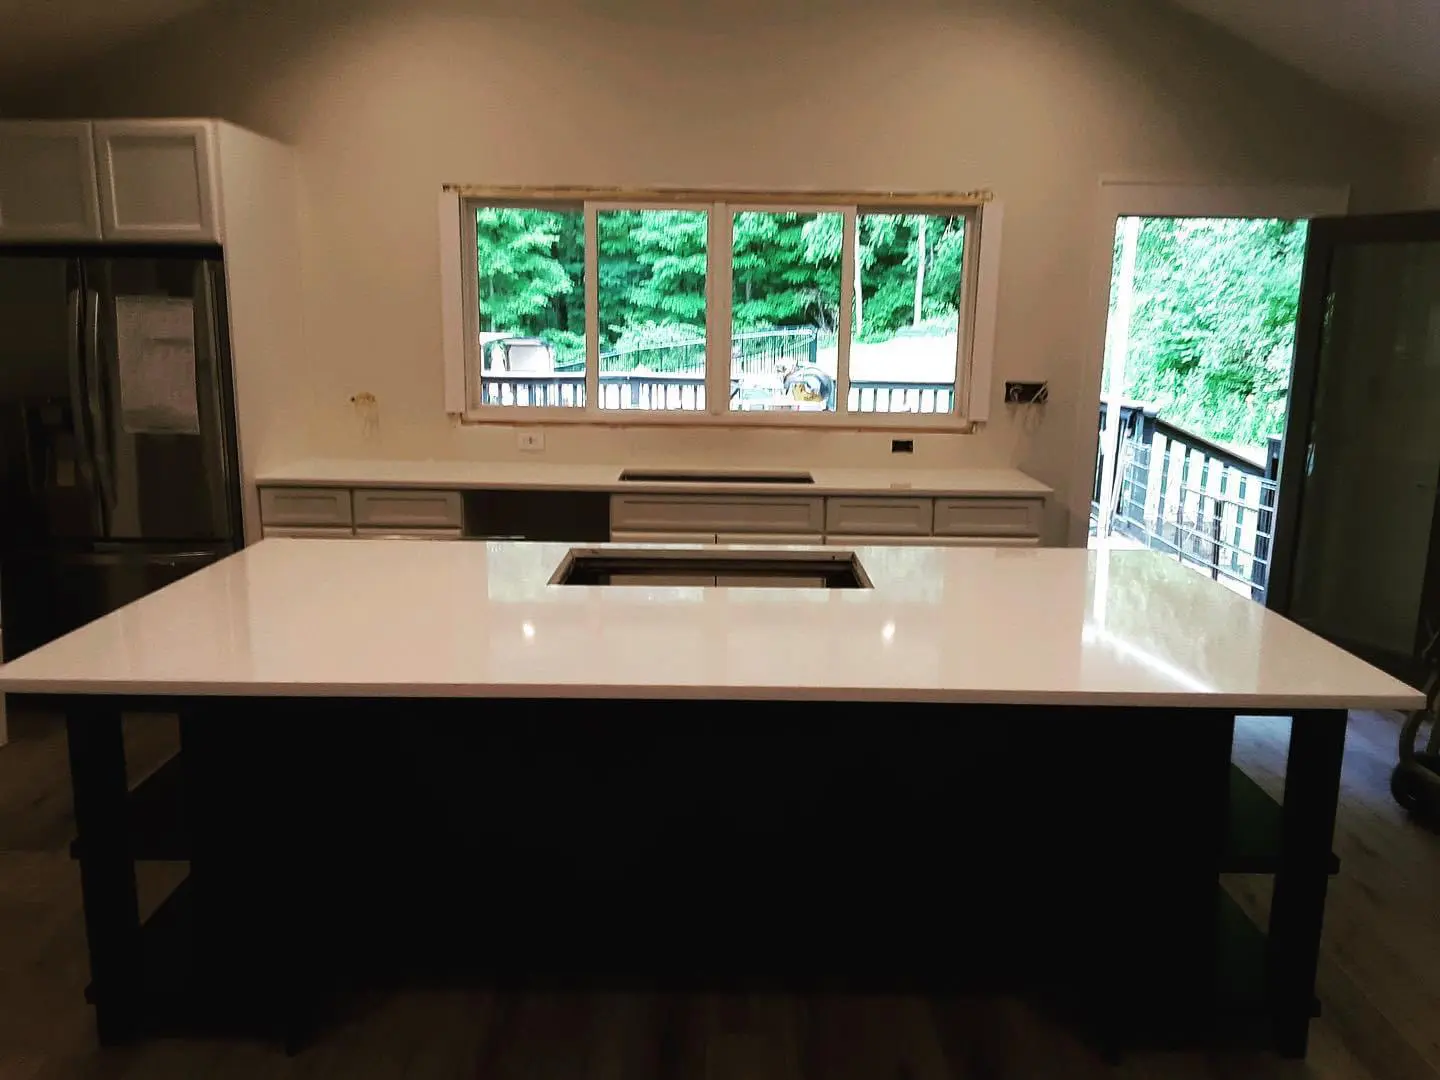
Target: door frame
{"x":1326,"y":235}
{"x":1117,"y":198}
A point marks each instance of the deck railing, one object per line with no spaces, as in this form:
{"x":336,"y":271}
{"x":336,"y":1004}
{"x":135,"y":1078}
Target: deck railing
{"x":1210,"y":506}
{"x":687,"y":392}
{"x":671,"y":377}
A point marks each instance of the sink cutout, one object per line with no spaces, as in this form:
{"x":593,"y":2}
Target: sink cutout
{"x":708,"y":568}
{"x":682,"y":476}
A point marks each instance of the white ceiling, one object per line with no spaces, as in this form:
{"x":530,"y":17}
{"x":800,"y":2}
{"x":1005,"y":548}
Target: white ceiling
{"x":42,"y":36}
{"x":1385,"y":53}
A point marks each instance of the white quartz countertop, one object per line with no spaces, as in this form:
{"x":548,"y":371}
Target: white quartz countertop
{"x":388,"y":618}
{"x":605,"y":477}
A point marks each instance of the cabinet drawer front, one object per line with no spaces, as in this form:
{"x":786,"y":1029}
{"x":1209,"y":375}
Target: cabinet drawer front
{"x":409,"y":509}
{"x":986,"y":541}
{"x":665,"y":581}
{"x":888,"y":517}
{"x":987,"y":517}
{"x":933,"y":541}
{"x":704,"y":513}
{"x":409,"y":534}
{"x":808,"y":539}
{"x":305,"y":506}
{"x":662,"y":538}
{"x":301,"y":532}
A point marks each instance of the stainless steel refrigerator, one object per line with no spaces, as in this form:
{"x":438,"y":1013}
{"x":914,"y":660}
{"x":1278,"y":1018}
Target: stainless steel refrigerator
{"x":118,"y":453}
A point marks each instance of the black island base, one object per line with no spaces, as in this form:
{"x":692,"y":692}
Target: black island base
{"x":336,"y":846}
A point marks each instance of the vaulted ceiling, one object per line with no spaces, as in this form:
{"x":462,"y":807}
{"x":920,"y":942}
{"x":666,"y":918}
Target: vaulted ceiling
{"x":38,"y":37}
{"x":1384,"y":53}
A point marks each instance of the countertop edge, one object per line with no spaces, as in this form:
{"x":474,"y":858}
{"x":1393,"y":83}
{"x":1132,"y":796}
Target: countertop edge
{"x":1025,"y":487}
{"x":840,"y":695}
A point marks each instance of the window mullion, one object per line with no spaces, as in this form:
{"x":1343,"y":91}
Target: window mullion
{"x":717,"y":310}
{"x":592,"y":310}
{"x":847,"y":304}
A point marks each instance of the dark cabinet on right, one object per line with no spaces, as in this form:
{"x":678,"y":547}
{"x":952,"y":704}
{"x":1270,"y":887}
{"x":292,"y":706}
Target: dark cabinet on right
{"x":1357,"y":536}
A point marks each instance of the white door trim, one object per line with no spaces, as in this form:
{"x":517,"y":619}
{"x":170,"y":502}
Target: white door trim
{"x":1121,"y":198}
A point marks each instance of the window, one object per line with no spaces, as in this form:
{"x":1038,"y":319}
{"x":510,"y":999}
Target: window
{"x":803,"y":310}
{"x":530,"y":303}
{"x":653,"y":270}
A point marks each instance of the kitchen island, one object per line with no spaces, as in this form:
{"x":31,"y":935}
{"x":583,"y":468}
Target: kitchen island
{"x":951,"y":767}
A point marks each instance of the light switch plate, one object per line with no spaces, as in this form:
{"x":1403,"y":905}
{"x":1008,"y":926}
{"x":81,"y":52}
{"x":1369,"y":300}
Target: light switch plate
{"x":532,"y":442}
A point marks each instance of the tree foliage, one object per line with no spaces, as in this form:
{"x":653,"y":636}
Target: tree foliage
{"x":1212,"y":333}
{"x":653,"y":265}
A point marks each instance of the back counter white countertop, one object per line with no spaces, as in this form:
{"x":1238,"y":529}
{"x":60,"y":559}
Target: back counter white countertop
{"x":479,"y":619}
{"x":606,"y":477}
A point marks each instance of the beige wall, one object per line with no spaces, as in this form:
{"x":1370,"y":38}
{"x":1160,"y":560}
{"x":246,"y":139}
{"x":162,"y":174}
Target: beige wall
{"x":385,"y":100}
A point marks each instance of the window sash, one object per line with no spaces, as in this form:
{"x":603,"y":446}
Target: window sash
{"x":720,"y":211}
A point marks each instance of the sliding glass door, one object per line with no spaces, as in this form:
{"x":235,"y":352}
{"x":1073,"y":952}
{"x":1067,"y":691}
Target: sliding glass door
{"x":1357,"y":544}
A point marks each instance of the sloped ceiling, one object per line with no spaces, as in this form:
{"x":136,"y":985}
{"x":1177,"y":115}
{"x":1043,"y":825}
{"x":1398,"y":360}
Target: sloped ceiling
{"x":1384,"y":53}
{"x":41,"y":37}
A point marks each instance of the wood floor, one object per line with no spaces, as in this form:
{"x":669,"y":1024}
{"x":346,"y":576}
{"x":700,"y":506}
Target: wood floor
{"x":1379,"y":980}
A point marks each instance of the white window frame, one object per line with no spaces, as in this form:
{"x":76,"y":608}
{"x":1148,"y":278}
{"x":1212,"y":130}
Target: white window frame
{"x":975,"y":332}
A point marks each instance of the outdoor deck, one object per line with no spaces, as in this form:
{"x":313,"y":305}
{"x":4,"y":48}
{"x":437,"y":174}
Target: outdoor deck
{"x":906,"y":375}
{"x":1209,"y":505}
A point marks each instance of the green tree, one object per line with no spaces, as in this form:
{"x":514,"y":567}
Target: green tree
{"x":1213,"y":330}
{"x":781,"y":277}
{"x":652,"y":269}
{"x":530,"y":266}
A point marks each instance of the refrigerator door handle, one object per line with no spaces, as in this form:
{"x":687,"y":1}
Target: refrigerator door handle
{"x":104,"y":456}
{"x":79,"y":406}
{"x":79,"y":401}
{"x":212,"y":335}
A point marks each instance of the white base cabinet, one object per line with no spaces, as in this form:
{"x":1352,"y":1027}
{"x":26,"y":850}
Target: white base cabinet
{"x":791,"y":520}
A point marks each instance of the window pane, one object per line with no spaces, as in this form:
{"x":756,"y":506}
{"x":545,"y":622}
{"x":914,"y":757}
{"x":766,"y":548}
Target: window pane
{"x":785,"y":306}
{"x":531,"y":296}
{"x":906,"y":322}
{"x":652,"y":267}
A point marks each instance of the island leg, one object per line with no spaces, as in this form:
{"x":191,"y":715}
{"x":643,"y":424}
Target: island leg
{"x":1297,"y":912}
{"x":107,"y":865}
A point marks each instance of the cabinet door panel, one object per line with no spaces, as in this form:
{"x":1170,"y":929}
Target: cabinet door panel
{"x":770,"y":538}
{"x":727,"y":513}
{"x":305,"y":506}
{"x":47,"y":182}
{"x":416,"y":509}
{"x":890,"y":517}
{"x":409,"y":534}
{"x":987,"y":517}
{"x":662,"y":538}
{"x":157,"y":180}
{"x":302,"y":532}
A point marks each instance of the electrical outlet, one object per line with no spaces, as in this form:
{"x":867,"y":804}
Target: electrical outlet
{"x":1026,"y":393}
{"x":532,"y":442}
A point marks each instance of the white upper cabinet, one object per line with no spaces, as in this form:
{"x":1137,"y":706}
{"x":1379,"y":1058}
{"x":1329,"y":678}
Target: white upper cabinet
{"x":47,"y":182}
{"x":158,"y":180}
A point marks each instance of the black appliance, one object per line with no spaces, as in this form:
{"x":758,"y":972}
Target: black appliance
{"x":118,"y":455}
